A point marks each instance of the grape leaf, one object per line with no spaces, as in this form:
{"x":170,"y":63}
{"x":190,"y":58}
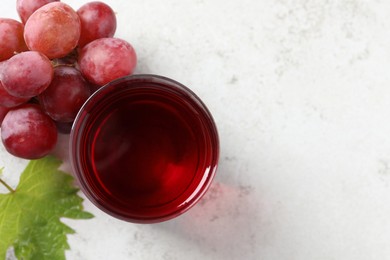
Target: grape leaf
{"x":30,"y":216}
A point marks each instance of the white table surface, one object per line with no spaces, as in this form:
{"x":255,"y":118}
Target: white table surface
{"x":300,"y":91}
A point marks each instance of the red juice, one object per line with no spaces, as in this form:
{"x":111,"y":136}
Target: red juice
{"x":144,"y":148}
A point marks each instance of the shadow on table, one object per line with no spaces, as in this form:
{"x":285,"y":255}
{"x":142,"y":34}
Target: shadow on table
{"x":224,"y":224}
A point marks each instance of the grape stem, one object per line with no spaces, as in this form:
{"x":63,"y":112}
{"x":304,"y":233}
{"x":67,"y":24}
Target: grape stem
{"x":7,"y":186}
{"x":55,"y":65}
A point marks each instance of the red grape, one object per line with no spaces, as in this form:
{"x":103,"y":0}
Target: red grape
{"x":106,"y":59}
{"x":54,"y":30}
{"x":98,"y":20}
{"x":6,"y":100}
{"x":3,"y":112}
{"x":27,"y":74}
{"x":25,"y":8}
{"x":65,"y":95}
{"x":29,"y":133}
{"x":49,"y":66}
{"x":11,"y":35}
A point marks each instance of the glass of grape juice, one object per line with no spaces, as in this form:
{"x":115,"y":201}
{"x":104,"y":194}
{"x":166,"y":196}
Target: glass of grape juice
{"x":144,"y":148}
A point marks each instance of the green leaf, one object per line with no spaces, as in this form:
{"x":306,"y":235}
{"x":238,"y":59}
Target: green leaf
{"x":30,"y":216}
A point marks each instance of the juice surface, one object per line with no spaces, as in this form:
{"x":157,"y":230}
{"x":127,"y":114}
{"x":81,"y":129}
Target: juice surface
{"x":144,"y":153}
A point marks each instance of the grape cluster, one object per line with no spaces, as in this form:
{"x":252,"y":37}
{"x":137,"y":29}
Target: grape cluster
{"x":50,"y":63}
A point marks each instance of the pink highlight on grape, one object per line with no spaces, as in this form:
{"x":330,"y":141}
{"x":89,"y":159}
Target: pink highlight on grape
{"x":98,"y":20}
{"x":26,"y":8}
{"x":11,"y":35}
{"x":53,"y":29}
{"x":7,"y":100}
{"x":27,"y":74}
{"x":27,"y":132}
{"x":106,"y":59}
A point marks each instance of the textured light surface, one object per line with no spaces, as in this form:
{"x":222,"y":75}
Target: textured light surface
{"x":300,"y":91}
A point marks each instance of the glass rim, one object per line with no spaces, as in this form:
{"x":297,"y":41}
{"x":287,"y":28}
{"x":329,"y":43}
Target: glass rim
{"x":112,"y":87}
